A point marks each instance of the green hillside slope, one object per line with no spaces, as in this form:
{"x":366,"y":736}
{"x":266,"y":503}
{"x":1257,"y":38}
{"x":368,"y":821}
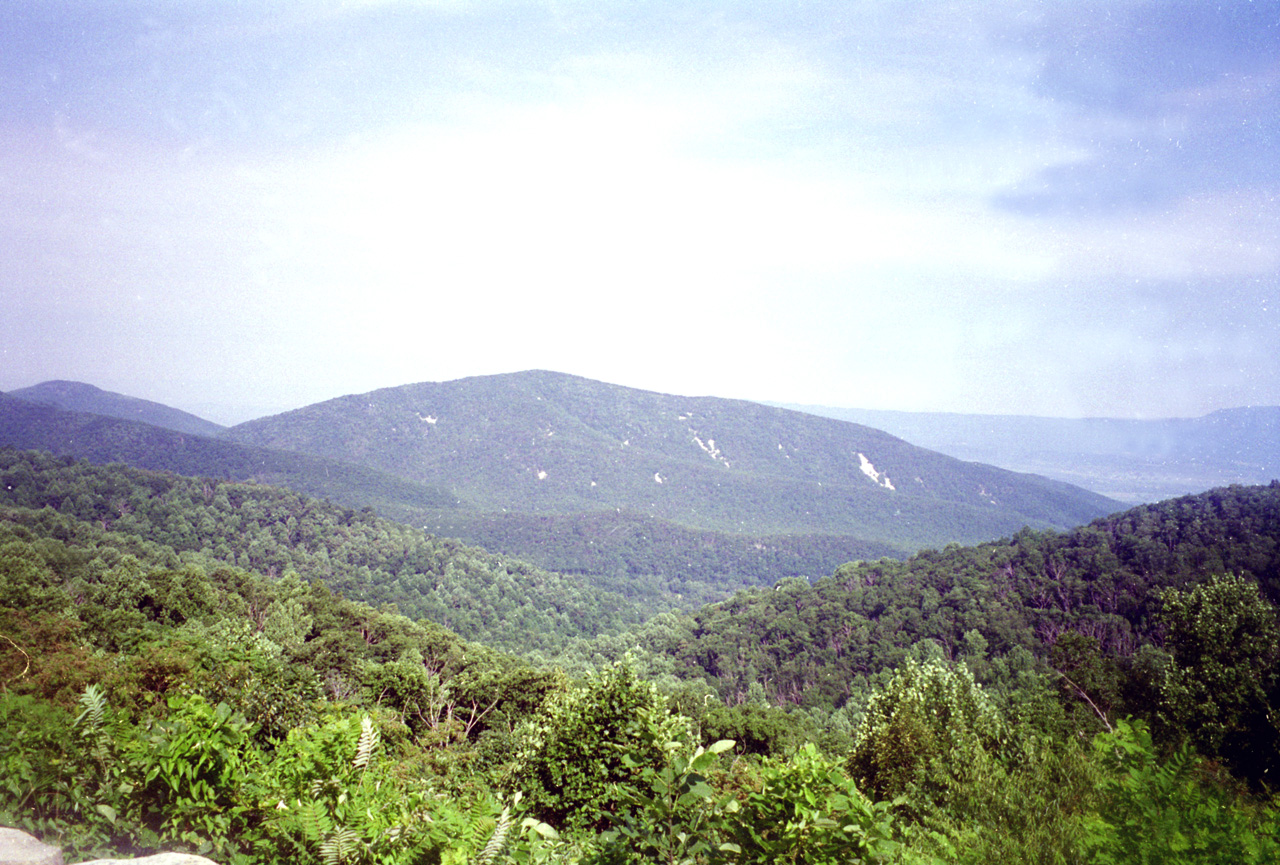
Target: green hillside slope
{"x":553,"y":444}
{"x":274,"y":531}
{"x":1096,"y":588}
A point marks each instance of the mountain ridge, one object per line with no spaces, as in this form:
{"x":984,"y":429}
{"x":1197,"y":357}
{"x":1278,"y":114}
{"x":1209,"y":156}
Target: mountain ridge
{"x":686,"y":566}
{"x":79,"y":396}
{"x":101,"y":439}
{"x":551,"y":443}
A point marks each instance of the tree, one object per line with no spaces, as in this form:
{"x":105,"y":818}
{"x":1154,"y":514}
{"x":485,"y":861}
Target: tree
{"x":1225,"y":644}
{"x":579,"y":760}
{"x":928,"y":729}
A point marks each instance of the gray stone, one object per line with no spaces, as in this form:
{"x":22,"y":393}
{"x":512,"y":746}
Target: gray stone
{"x":19,"y":848}
{"x":158,"y":859}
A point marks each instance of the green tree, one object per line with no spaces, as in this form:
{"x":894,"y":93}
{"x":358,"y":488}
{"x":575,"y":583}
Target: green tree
{"x":928,"y":729}
{"x":1225,"y":644}
{"x":579,"y":760}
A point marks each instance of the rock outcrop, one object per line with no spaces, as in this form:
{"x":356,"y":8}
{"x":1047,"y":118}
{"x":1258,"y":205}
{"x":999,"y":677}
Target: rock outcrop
{"x":19,"y":848}
{"x":157,"y":859}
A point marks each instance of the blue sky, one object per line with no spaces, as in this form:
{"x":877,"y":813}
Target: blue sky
{"x":1058,"y":208}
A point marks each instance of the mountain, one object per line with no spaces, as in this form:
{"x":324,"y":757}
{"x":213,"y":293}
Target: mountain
{"x":102,"y":439}
{"x":1129,"y":460}
{"x":77,"y":396}
{"x":550,"y":444}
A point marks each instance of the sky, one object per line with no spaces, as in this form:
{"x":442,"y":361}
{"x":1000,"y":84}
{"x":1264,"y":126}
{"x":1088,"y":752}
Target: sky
{"x":1050,"y":208}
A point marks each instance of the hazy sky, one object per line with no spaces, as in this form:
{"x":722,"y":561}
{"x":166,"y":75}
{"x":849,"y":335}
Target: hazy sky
{"x":1063,"y":208}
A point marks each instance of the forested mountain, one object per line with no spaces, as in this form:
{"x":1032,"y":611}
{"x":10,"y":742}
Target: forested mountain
{"x":551,"y":444}
{"x":102,"y":439}
{"x":656,"y":563}
{"x":660,"y":506}
{"x":1084,"y":598}
{"x":77,"y":396}
{"x":1130,"y":460}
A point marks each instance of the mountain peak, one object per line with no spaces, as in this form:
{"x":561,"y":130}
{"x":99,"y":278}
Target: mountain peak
{"x":548,"y":443}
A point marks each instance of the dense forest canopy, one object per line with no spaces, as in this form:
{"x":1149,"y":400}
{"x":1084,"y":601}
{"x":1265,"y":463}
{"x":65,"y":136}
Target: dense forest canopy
{"x":247,"y":672}
{"x":271,"y":531}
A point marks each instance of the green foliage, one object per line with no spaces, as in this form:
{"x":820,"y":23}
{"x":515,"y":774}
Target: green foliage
{"x":579,"y":759}
{"x":338,"y":803}
{"x":1171,"y":811}
{"x":1225,"y":646}
{"x":198,"y":773}
{"x":27,"y":582}
{"x":1027,"y":809}
{"x":240,"y":666}
{"x":808,"y":811}
{"x":36,"y":739}
{"x":673,"y":814}
{"x":929,"y":729}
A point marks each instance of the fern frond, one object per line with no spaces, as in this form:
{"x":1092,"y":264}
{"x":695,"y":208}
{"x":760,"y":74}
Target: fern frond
{"x":497,"y":841}
{"x":312,"y":819}
{"x":93,"y":705}
{"x":340,"y":846}
{"x":369,"y":739}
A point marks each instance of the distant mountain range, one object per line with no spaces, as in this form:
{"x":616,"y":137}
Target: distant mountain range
{"x":77,"y":396}
{"x":1130,"y":460}
{"x":588,"y":476}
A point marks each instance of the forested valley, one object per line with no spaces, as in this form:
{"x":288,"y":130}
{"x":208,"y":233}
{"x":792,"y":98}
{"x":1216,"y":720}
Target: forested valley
{"x":245,"y":672}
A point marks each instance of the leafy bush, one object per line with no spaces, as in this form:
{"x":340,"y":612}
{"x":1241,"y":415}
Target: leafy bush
{"x":576,"y":760}
{"x":199,"y":771}
{"x":1170,"y":811}
{"x":808,"y":811}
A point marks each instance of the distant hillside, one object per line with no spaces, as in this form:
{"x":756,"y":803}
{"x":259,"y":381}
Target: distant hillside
{"x":102,"y":439}
{"x":550,"y":444}
{"x":1097,"y":585}
{"x":1129,"y":460}
{"x":691,"y":566}
{"x":77,"y":396}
